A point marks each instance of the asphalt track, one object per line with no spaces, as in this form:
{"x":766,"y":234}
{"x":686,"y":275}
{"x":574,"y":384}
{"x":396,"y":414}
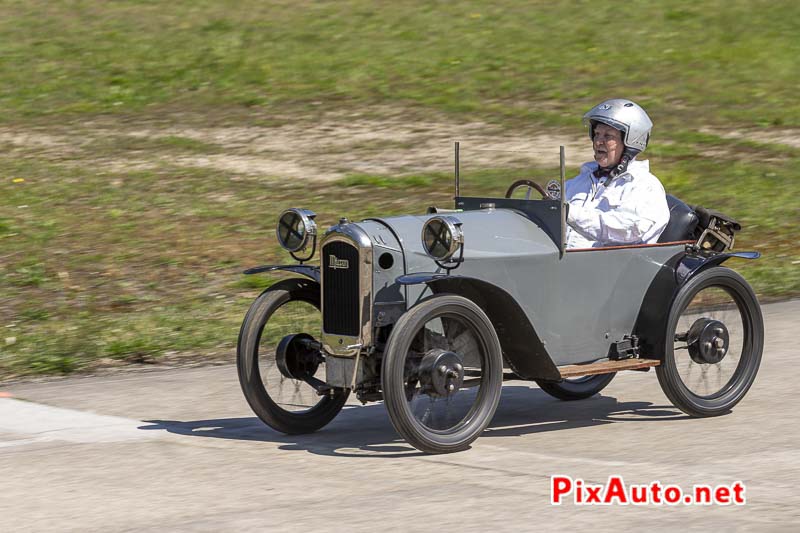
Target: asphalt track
{"x":181,"y":450}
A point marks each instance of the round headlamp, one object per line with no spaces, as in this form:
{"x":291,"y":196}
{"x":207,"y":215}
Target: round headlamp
{"x":295,"y":228}
{"x":442,"y":236}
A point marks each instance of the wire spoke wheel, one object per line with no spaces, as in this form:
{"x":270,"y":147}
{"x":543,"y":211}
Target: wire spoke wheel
{"x":442,"y":374}
{"x":441,"y":408}
{"x":294,"y":395}
{"x":708,"y":379}
{"x":715,"y":336}
{"x":277,"y":359}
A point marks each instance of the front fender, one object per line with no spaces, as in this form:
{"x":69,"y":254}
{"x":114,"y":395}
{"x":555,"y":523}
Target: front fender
{"x":311,"y":272}
{"x":522,"y":348}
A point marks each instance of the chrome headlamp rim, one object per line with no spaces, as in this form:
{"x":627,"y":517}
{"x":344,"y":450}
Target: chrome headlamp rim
{"x":453,"y":227}
{"x":306,"y":218}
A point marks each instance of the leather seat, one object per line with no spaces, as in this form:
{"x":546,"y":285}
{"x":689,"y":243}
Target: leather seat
{"x":682,"y":222}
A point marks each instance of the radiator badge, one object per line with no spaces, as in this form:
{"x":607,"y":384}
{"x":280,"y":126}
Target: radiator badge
{"x":335,"y":262}
{"x":553,"y":189}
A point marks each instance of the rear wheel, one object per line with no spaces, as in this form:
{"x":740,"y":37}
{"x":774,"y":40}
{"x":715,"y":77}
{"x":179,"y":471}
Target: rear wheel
{"x":442,"y":374}
{"x":278,"y":359}
{"x":576,"y":388}
{"x":715,"y":337}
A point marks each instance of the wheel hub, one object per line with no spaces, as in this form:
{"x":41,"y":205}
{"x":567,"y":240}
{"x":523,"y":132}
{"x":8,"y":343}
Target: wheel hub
{"x":297,"y":357}
{"x":708,"y":341}
{"x":441,"y":373}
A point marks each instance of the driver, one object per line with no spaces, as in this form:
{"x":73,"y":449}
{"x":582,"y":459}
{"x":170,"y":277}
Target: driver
{"x":615,"y":200}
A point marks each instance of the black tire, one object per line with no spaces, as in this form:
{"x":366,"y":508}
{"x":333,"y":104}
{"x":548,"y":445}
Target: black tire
{"x":286,"y":405}
{"x":448,"y":424}
{"x":718,"y":294}
{"x":580,"y":388}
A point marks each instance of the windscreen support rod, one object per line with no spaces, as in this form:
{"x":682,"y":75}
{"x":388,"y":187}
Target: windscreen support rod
{"x":563,"y":244}
{"x":456,"y":169}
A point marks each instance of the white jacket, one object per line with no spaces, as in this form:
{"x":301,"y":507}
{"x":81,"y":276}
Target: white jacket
{"x":630,"y":209}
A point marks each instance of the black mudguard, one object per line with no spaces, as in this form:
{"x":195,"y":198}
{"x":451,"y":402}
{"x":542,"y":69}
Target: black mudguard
{"x":311,"y":272}
{"x":651,"y":323}
{"x":522,"y":347}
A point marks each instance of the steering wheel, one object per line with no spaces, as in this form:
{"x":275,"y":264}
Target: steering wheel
{"x":530,"y":185}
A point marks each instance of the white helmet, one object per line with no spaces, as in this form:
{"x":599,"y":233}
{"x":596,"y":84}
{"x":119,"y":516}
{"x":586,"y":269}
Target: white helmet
{"x":626,"y":116}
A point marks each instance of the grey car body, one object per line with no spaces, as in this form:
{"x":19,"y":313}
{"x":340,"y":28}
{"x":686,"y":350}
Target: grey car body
{"x":551,"y":307}
{"x":435,"y":334}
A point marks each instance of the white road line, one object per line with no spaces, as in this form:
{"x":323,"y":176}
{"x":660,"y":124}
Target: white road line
{"x":37,"y":423}
{"x":21,"y":442}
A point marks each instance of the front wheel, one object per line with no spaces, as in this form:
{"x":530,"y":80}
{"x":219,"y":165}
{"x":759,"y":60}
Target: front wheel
{"x":442,"y":374}
{"x":576,"y":388}
{"x":715,"y":336}
{"x":286,"y":314}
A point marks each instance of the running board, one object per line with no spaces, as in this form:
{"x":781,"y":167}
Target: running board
{"x":606,"y":367}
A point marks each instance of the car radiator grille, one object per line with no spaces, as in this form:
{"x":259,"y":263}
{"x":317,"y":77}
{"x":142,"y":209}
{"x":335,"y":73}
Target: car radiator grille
{"x":340,"y":289}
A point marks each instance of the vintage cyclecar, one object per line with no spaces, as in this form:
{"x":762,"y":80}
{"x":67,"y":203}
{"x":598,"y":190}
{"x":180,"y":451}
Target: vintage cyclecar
{"x":431,"y":312}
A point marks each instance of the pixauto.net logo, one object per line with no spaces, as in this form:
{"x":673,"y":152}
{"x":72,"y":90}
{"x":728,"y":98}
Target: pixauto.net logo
{"x":616,"y":492}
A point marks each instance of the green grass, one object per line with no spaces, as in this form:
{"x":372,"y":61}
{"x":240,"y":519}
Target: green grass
{"x":131,"y":262}
{"x":146,"y":266}
{"x":169,"y":279}
{"x":722,"y":62}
